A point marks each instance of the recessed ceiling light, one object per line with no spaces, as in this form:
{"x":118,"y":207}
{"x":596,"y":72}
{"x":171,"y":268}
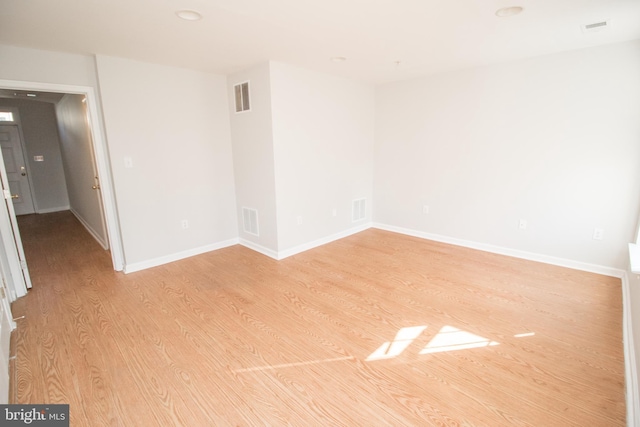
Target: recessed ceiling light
{"x":189,"y":15}
{"x":506,"y":12}
{"x":338,"y":58}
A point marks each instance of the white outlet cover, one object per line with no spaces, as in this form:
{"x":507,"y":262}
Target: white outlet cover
{"x":598,"y":234}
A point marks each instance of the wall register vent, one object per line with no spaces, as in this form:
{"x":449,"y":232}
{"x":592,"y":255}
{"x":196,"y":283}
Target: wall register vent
{"x":250,"y":221}
{"x":241,"y":91}
{"x":359,"y":210}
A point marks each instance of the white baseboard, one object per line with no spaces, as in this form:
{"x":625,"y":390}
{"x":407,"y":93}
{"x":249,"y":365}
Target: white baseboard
{"x":51,"y":210}
{"x":322,"y":241}
{"x":94,"y":234}
{"x":279,"y":255}
{"x":630,"y":366}
{"x":143,"y":265}
{"x":531,"y":256}
{"x":261,"y":249}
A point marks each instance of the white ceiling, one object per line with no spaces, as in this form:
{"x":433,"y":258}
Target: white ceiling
{"x":426,"y":36}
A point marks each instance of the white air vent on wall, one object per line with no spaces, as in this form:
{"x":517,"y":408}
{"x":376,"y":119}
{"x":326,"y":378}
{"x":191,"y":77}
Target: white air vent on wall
{"x":242,"y":97}
{"x":359,"y":210}
{"x":250,"y":221}
{"x":596,"y":27}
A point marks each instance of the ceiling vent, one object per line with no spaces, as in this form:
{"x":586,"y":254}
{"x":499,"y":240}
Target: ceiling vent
{"x":596,"y":27}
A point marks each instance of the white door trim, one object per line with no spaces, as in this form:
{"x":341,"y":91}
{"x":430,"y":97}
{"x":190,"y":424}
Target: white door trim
{"x":18,"y":122}
{"x":101,"y":155}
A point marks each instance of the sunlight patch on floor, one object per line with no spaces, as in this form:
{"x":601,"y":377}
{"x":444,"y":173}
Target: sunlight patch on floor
{"x":451,"y":339}
{"x":403,"y":339}
{"x":290,"y":365}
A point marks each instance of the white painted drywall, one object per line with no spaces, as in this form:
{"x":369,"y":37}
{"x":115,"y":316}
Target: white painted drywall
{"x":553,"y":140}
{"x":253,"y":158}
{"x":174,"y":125}
{"x":40,"y":131}
{"x":323,"y":147}
{"x":79,"y":166}
{"x":32,"y":65}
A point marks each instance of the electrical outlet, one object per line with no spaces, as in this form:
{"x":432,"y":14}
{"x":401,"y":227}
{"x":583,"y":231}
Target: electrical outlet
{"x":185,"y":224}
{"x":334,"y":212}
{"x":299,"y":220}
{"x":128,"y":162}
{"x":522,"y":225}
{"x":425,"y":209}
{"x":598,"y":233}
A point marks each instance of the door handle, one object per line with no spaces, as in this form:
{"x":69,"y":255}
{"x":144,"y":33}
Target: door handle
{"x":95,"y":187}
{"x":15,"y":196}
{"x":23,"y":171}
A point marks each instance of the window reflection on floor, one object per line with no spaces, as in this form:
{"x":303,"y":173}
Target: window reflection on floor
{"x":450,"y":339}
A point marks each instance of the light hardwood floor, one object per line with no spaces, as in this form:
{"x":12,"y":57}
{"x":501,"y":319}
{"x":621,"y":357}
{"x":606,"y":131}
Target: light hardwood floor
{"x":370,"y":330}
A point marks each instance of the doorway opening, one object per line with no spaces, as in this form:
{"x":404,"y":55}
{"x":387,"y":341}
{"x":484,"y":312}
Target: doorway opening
{"x":82,"y":166}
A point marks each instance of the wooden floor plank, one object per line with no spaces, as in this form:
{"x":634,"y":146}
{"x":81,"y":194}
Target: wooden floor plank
{"x":233,"y":338}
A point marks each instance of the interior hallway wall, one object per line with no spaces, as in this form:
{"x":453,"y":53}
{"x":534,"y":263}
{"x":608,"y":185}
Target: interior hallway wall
{"x":39,"y":127}
{"x":79,"y":166}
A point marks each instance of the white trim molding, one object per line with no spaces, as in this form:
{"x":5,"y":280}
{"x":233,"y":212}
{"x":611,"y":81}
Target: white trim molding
{"x":322,"y":241}
{"x":52,"y":210}
{"x":280,"y":255}
{"x":155,"y":262}
{"x":530,"y":256}
{"x":260,"y":249}
{"x":630,"y":366}
{"x":90,"y":229}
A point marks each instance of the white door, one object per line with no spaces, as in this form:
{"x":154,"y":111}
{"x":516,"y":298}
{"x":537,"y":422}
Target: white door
{"x":16,"y":169}
{"x":6,"y":326}
{"x":6,"y":323}
{"x":11,"y":241}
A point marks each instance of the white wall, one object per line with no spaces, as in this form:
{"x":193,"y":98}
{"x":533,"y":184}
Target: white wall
{"x":174,"y":125}
{"x":552,"y":140}
{"x":253,"y":158}
{"x":43,"y":66}
{"x":323,"y":144}
{"x":38,"y":122}
{"x":79,"y":166}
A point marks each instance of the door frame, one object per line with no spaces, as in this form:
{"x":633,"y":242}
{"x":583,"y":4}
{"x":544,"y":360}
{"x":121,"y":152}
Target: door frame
{"x":17,"y":122}
{"x":18,"y":127}
{"x":101,"y":155}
